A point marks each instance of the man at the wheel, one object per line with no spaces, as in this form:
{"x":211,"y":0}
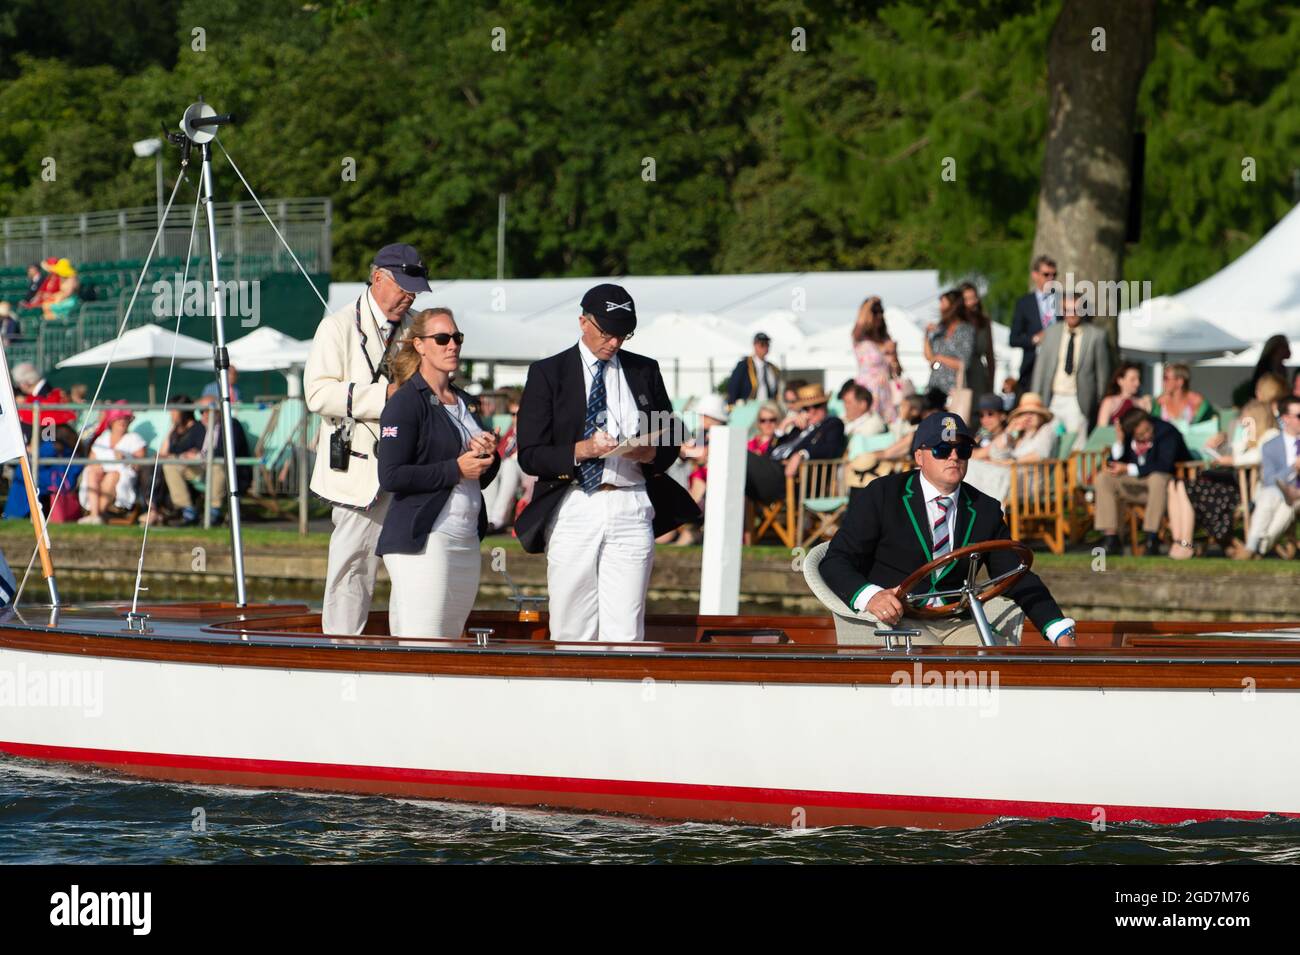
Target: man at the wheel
{"x":898,"y":523}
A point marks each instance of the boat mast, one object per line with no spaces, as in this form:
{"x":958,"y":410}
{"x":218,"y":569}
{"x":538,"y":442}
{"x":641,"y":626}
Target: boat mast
{"x":198,"y":124}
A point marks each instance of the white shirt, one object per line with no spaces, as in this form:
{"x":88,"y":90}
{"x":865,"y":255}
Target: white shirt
{"x":760,"y":372}
{"x":103,"y":450}
{"x":459,"y":516}
{"x":1046,"y":307}
{"x":621,"y":418}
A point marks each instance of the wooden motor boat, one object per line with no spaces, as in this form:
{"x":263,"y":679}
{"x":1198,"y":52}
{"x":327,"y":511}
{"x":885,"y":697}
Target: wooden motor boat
{"x":758,"y":719}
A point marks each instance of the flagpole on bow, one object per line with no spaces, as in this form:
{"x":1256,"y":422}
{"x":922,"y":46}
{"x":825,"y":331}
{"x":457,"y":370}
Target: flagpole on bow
{"x":13,"y":446}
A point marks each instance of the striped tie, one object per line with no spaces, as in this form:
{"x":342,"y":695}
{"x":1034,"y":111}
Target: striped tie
{"x":940,"y":531}
{"x":590,"y":472}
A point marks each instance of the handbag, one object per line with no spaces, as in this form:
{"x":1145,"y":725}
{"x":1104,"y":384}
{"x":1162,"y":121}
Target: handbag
{"x":961,"y":399}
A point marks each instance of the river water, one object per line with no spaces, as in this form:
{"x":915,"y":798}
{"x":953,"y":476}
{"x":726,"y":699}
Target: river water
{"x":57,"y":815}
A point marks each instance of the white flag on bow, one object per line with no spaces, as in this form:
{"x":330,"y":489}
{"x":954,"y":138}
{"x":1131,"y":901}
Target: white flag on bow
{"x":12,"y":444}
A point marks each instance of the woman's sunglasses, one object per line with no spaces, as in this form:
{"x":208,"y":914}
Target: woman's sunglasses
{"x":942,"y":450}
{"x":442,"y":338}
{"x":767,"y":421}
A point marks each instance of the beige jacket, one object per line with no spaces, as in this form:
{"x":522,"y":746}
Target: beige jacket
{"x":336,"y":360}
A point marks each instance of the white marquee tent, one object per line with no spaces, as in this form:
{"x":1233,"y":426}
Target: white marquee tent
{"x":698,"y":327}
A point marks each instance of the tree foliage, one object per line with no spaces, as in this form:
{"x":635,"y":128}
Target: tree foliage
{"x":764,"y":157}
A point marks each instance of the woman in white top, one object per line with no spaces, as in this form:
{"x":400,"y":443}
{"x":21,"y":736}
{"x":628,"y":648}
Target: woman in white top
{"x":1028,"y":438}
{"x":105,"y":485}
{"x":435,"y":459}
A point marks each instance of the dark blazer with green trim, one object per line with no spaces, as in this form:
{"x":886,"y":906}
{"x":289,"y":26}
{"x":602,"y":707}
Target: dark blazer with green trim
{"x":884,"y":536}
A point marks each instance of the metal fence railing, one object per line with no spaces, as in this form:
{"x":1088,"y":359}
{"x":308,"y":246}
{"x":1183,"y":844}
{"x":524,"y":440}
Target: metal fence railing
{"x":126,"y":234}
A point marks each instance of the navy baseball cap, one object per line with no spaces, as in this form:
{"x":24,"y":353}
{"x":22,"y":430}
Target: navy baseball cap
{"x":762,"y":337}
{"x":405,"y":265}
{"x":990,"y":402}
{"x":942,"y":427}
{"x":612,"y":308}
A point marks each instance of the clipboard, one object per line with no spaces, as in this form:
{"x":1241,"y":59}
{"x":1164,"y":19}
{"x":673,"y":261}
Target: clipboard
{"x":633,"y":443}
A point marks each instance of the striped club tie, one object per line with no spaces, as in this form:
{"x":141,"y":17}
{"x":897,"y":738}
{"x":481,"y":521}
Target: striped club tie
{"x":940,"y":531}
{"x":590,"y":472}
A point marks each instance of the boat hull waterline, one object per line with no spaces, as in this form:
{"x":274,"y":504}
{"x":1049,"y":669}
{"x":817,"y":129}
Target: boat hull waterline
{"x":920,"y":749}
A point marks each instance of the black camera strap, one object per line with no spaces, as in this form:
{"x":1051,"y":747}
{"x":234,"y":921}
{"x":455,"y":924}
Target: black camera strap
{"x":388,"y":343}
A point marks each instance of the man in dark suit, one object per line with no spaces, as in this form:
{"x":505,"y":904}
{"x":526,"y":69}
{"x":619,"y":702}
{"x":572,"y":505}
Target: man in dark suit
{"x":1140,"y":468}
{"x":1033,"y":314}
{"x":817,"y":435}
{"x":596,"y":514}
{"x":755,"y":378}
{"x":900,"y":522}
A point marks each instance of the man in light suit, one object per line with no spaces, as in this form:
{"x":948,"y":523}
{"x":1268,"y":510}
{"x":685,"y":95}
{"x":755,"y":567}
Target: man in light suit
{"x":1033,"y":315}
{"x":1072,"y":369}
{"x":1278,"y":499}
{"x":346,"y":382}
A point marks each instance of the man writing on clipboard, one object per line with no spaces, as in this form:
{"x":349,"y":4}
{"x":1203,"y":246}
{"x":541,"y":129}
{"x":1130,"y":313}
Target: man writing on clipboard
{"x":346,"y":382}
{"x":596,"y":513}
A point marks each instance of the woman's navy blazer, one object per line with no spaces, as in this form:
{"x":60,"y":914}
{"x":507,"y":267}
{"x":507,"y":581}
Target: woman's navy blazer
{"x":417,"y":450}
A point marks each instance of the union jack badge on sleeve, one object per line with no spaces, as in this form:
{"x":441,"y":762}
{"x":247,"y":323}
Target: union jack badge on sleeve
{"x":388,"y":431}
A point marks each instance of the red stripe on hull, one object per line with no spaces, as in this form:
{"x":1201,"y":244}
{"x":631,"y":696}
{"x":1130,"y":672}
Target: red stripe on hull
{"x":779,"y":807}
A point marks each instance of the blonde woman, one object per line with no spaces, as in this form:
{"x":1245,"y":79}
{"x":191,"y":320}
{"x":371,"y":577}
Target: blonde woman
{"x":435,"y":460}
{"x":1027,"y":439}
{"x":1211,"y":498}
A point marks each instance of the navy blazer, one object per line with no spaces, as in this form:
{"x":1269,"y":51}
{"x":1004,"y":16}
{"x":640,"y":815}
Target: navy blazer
{"x":552,"y":417}
{"x":417,"y":451}
{"x":1026,"y":322}
{"x":1167,"y":449}
{"x":885,"y":535}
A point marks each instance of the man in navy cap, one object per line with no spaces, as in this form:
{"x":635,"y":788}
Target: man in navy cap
{"x":596,"y":514}
{"x":346,"y":382}
{"x":901,"y":521}
{"x":755,"y":378}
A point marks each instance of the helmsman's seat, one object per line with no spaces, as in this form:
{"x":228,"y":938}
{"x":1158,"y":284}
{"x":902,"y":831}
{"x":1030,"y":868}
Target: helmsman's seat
{"x":849,"y":627}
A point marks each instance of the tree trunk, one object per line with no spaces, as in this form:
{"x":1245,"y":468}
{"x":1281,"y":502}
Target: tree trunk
{"x":1083,"y":203}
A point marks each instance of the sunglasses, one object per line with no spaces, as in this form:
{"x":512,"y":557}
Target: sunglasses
{"x":418,"y":271}
{"x":943,"y":449}
{"x":606,"y":336}
{"x":442,"y":338}
{"x":767,"y":420}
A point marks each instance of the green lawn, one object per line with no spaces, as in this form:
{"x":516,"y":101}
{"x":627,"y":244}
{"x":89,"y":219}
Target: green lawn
{"x":259,"y":538}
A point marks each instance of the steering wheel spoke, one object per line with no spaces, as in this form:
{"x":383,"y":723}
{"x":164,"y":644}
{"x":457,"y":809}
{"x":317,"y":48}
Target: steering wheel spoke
{"x":916,"y":602}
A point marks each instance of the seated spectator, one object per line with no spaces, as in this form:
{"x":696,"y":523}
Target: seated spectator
{"x":1028,"y":438}
{"x":78,"y":394}
{"x":1008,"y":394}
{"x":105,"y":486}
{"x":212,"y":391}
{"x":1278,"y":499}
{"x":184,"y":440}
{"x":58,"y":482}
{"x":243,"y":473}
{"x":1140,"y":468}
{"x":764,"y":439}
{"x":755,"y":378}
{"x":10,"y":330}
{"x":712,"y":410}
{"x":789,"y":397}
{"x":65,"y":300}
{"x":34,"y":389}
{"x":859,"y":418}
{"x":866,"y":467}
{"x":816,"y":435}
{"x":1212,"y":497}
{"x":35,"y":279}
{"x":1122,"y":394}
{"x":993,"y":421}
{"x":1177,"y":402}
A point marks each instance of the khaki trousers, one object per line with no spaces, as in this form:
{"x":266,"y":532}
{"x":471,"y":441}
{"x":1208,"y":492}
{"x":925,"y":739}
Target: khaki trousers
{"x":350,"y":574}
{"x":1005,"y":617}
{"x":1270,"y":519}
{"x":178,"y":477}
{"x":1152,"y":491}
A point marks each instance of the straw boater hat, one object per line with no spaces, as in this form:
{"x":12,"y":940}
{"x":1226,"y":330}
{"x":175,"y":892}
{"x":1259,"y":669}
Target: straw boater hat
{"x":809,"y":396}
{"x":1031,"y":403}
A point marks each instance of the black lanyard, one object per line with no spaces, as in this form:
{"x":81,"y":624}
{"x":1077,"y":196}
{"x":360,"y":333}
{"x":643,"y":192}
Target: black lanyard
{"x":392,"y":333}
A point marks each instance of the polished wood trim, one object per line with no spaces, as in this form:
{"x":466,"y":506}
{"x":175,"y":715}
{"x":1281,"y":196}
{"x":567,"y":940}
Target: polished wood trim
{"x":1128,"y":667}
